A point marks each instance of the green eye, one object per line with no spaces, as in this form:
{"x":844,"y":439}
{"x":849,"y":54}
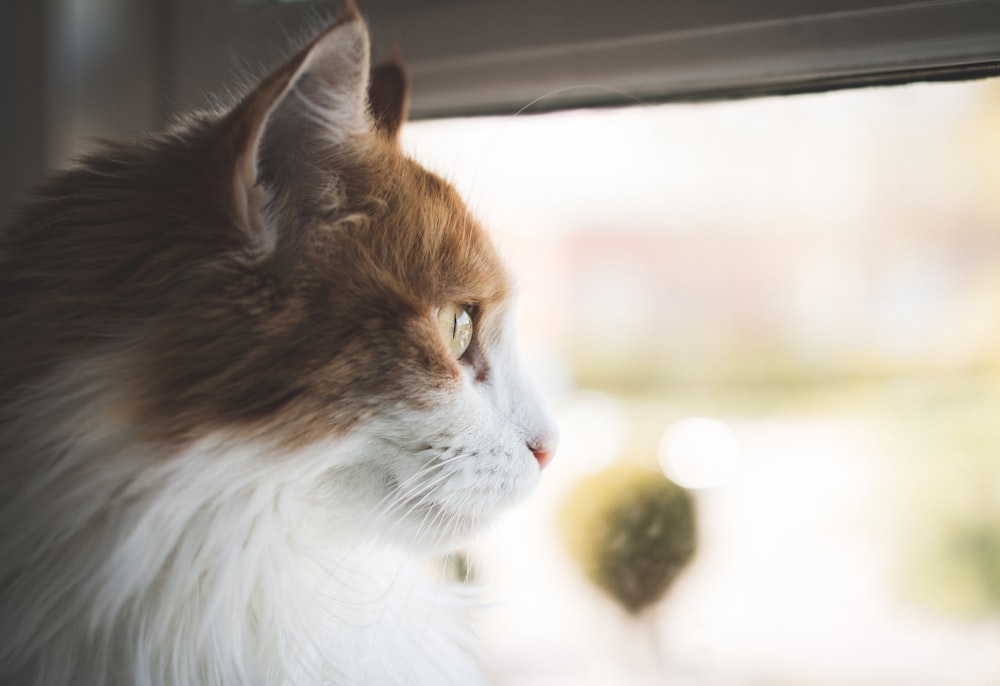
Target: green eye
{"x":456,"y":327}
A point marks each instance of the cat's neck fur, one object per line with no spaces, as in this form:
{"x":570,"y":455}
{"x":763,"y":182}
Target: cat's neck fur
{"x":243,"y":580}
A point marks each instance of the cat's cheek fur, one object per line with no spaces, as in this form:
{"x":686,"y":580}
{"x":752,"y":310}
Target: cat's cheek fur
{"x":453,"y":465}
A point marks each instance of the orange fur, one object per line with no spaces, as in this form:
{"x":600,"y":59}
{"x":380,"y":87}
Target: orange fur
{"x":142,"y":245}
{"x":230,"y":422}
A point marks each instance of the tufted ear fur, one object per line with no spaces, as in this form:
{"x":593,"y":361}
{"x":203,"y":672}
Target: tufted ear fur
{"x":303,"y":112}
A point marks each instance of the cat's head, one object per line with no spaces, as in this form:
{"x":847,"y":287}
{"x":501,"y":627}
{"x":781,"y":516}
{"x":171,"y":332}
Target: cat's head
{"x":282,"y":274}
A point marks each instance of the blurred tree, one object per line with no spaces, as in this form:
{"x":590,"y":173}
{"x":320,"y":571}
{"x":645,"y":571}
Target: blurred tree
{"x":632,"y":531}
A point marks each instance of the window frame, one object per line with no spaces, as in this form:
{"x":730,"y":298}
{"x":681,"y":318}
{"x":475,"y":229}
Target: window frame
{"x":497,"y":56}
{"x":466,"y":57}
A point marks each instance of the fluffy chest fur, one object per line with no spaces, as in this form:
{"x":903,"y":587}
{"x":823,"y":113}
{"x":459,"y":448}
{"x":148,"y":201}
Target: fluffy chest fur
{"x":240,"y":577}
{"x":258,"y":371}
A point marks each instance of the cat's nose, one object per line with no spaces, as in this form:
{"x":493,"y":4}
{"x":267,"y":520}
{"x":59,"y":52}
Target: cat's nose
{"x":543,"y":451}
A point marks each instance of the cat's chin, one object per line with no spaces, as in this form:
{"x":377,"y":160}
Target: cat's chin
{"x":435,"y":529}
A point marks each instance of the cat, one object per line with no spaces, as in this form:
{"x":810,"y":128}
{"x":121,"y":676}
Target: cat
{"x":255,"y":371}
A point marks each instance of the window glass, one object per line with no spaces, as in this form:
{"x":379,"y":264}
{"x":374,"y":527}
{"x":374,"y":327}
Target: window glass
{"x":791,"y":307}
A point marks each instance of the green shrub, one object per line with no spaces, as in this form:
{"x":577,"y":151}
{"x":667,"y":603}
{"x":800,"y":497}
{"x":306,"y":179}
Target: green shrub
{"x":632,"y":531}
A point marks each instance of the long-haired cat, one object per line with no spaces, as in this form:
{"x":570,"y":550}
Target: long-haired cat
{"x":254,"y":371}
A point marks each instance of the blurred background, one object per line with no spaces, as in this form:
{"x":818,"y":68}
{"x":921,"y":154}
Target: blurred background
{"x":790,"y":306}
{"x":769,"y":326}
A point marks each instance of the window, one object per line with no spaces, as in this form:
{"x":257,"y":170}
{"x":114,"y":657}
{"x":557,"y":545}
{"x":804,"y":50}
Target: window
{"x":792,"y":305}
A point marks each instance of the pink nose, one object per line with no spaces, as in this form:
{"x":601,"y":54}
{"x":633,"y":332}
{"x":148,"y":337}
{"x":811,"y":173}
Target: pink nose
{"x":543,"y":455}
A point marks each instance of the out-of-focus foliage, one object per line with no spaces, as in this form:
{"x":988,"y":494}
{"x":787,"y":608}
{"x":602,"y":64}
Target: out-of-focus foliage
{"x":632,"y":531}
{"x":458,"y":567}
{"x":947,"y":447}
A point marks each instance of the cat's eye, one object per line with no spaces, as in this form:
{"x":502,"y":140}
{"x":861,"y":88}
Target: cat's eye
{"x":456,"y":327}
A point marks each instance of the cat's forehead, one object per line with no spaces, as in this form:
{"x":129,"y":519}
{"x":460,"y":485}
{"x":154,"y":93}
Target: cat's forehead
{"x":422,"y":231}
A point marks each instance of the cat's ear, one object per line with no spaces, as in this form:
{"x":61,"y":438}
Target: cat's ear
{"x":314,"y":104}
{"x":389,"y":96}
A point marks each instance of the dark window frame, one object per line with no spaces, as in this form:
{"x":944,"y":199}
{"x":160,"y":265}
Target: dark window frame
{"x":465,"y":57}
{"x":469,"y":57}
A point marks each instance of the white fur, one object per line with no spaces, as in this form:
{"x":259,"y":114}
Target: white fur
{"x":238,"y":563}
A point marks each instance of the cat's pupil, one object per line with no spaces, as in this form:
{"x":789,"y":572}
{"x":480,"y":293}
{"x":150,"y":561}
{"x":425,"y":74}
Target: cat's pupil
{"x":456,"y":327}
